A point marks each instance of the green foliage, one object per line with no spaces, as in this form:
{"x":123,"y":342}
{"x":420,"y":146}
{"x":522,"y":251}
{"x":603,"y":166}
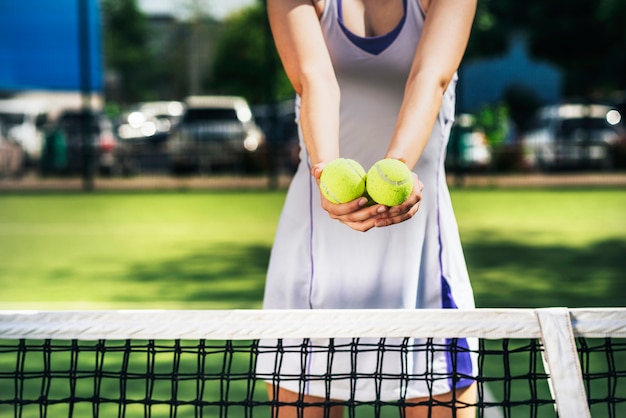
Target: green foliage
{"x":494,"y":122}
{"x":489,"y":35}
{"x":246,"y":61}
{"x":568,"y":33}
{"x":586,"y":39}
{"x":515,"y":112}
{"x":125,"y":48}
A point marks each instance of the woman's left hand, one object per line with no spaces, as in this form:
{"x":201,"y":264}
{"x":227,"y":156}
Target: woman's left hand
{"x":404,"y":211}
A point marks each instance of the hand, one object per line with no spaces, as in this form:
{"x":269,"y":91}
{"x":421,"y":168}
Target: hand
{"x":361,"y":216}
{"x":404,"y":211}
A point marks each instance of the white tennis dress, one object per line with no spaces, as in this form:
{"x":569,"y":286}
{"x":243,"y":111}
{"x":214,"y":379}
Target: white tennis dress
{"x":319,"y":263}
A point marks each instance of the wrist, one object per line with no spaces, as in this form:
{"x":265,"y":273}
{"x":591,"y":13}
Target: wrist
{"x":394,"y":157}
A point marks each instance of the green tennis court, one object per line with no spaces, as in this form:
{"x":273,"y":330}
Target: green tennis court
{"x":524,"y":248}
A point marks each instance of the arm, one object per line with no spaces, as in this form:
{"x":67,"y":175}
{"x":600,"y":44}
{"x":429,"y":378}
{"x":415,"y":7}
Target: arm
{"x":302,"y":49}
{"x":300,"y":43}
{"x":438,"y":56}
{"x":439,"y":53}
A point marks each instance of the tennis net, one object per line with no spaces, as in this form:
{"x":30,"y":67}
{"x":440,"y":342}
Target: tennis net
{"x":527,"y":363}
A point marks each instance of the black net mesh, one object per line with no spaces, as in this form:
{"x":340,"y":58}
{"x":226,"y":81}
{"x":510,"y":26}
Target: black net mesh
{"x":202,"y":378}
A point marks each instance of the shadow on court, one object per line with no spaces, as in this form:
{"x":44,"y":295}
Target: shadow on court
{"x":222,"y":274}
{"x":504,"y":274}
{"x":510,"y":274}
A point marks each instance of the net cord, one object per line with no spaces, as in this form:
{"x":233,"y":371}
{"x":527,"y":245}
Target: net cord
{"x":259,"y":324}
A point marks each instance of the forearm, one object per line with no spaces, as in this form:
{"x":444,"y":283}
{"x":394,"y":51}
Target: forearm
{"x":437,"y":58}
{"x":416,"y":119}
{"x":319,"y":118}
{"x":300,"y":43}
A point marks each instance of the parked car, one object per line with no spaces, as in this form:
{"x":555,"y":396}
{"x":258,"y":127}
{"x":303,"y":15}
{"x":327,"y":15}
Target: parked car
{"x":11,"y":157}
{"x":22,"y":122}
{"x":150,"y":121}
{"x":279,"y":124}
{"x":217,"y":132}
{"x":143,"y":132}
{"x":65,"y":144}
{"x":573,"y":136}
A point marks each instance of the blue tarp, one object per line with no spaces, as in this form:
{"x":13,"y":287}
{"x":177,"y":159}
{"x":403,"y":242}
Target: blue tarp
{"x":485,"y":81}
{"x":40,"y":45}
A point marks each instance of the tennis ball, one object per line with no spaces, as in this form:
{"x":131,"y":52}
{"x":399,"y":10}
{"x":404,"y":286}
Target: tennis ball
{"x":389,"y":182}
{"x":342,"y":180}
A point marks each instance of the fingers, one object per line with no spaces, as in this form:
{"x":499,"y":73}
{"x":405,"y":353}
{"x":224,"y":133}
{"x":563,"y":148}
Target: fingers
{"x":392,"y":219}
{"x":404,"y":211}
{"x":354,"y":211}
{"x":357,"y":214}
{"x":342,"y":209}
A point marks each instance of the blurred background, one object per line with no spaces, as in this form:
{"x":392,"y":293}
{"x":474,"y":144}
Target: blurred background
{"x":130,"y":89}
{"x":145,"y":146}
{"x":178,"y":118}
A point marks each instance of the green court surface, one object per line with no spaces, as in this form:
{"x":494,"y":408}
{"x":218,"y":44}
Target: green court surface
{"x":524,"y":248}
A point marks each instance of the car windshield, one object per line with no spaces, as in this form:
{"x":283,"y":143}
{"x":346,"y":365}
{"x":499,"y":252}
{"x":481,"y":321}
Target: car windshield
{"x":210,"y":114}
{"x":570,"y":125}
{"x":573,"y":128}
{"x":11,"y":119}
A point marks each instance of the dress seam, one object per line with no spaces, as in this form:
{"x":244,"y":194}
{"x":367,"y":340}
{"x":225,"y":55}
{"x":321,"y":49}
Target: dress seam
{"x":311,"y":252}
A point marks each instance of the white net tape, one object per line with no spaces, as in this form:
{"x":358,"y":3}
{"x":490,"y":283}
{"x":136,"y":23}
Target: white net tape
{"x":254,"y":324}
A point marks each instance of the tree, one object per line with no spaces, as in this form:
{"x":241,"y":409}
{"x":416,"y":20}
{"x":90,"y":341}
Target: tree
{"x":125,"y":49}
{"x":569,"y":33}
{"x":244,"y":61}
{"x":585,"y":38}
{"x":492,"y":26}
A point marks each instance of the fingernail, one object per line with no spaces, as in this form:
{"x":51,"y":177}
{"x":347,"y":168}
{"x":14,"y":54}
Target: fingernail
{"x":363,"y":201}
{"x":381,"y":209}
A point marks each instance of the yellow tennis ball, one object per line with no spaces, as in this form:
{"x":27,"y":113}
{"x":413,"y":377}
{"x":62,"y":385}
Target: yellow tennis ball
{"x":389,"y":182}
{"x":342,"y":180}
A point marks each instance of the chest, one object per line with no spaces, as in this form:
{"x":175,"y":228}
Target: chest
{"x":368,"y":18}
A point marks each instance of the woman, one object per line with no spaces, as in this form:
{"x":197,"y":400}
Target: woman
{"x":374,"y":79}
